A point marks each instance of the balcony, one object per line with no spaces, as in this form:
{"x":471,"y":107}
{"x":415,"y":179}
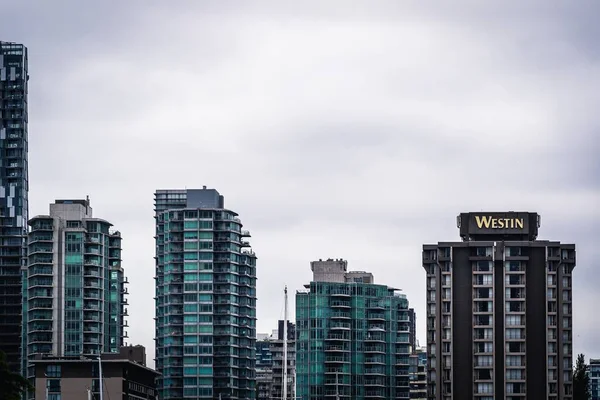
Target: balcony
{"x":340,"y":304}
{"x":336,"y":348}
{"x":375,"y":360}
{"x":376,"y":328}
{"x":340,"y":325}
{"x":336,"y":360}
{"x":375,"y":371}
{"x":375,"y":349}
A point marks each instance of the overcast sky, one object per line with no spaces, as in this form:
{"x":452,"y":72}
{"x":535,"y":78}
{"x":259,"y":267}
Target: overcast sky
{"x":340,"y":129}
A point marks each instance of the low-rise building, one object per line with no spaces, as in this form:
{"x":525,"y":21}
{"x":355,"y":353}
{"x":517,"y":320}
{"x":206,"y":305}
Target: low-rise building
{"x":124,"y":376}
{"x":418,"y":375}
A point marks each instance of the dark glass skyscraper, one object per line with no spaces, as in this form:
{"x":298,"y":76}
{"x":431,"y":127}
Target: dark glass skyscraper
{"x":499,"y":311}
{"x":205,"y":298}
{"x":13,"y":195}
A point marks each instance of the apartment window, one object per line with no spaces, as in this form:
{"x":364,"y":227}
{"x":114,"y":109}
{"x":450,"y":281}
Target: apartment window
{"x":512,"y":333}
{"x":53,"y":371}
{"x":515,"y":347}
{"x":431,"y":283}
{"x":483,"y":361}
{"x":514,"y":374}
{"x":446,"y":306}
{"x":446,"y":280}
{"x":432,"y":309}
{"x":483,"y":279}
{"x":53,"y":385}
{"x":483,"y":306}
{"x":513,"y":251}
{"x":483,"y":333}
{"x":484,"y":266}
{"x":484,"y":347}
{"x":485,"y":388}
{"x":514,"y":266}
{"x":513,"y":361}
{"x":513,"y":320}
{"x":480,"y":251}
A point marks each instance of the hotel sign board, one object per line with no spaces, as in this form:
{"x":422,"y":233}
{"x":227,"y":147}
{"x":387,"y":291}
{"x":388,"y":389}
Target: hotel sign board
{"x":508,"y":223}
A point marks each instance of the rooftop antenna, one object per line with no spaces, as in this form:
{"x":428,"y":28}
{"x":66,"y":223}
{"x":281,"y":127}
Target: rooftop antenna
{"x":285,"y":322}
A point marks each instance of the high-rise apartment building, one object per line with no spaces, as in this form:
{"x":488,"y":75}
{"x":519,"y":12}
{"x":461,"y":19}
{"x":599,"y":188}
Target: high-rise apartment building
{"x":353,"y":338}
{"x":13,"y":196}
{"x":499,"y":311}
{"x":76,"y":295}
{"x":205,"y":298}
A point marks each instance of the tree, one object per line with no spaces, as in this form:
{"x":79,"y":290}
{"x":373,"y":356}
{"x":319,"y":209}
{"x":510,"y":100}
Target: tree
{"x":12,"y":384}
{"x":581,"y":380}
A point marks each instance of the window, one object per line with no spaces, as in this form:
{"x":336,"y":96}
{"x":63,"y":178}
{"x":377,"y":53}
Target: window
{"x":53,"y":385}
{"x":53,"y":371}
{"x":513,"y":320}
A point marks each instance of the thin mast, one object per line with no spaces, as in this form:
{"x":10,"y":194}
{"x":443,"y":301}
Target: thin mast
{"x":285,"y":323}
{"x":100,"y":376}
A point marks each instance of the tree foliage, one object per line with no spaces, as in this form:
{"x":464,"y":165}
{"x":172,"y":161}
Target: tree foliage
{"x":12,"y":384}
{"x":581,"y":380}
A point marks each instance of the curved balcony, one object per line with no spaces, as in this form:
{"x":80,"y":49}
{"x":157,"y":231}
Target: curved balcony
{"x":340,"y":315}
{"x":375,"y":360}
{"x":40,"y":282}
{"x":374,"y":382}
{"x":336,"y":360}
{"x":39,"y":326}
{"x":336,"y":348}
{"x":340,"y":304}
{"x":375,"y":338}
{"x":373,"y":349}
{"x":37,"y":338}
{"x":376,"y":317}
{"x":375,"y":371}
{"x":376,"y":328}
{"x":337,"y":337}
{"x":340,"y":293}
{"x":44,"y":293}
{"x":340,"y":326}
{"x":371,"y":394}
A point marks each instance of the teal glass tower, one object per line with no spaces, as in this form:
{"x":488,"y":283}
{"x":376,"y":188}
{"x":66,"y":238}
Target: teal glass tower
{"x":205,"y":298}
{"x":76,"y":300}
{"x":13,"y":197}
{"x":353,"y":337}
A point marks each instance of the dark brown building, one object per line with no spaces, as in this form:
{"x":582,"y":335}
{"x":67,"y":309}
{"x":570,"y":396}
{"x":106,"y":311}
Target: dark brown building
{"x":125,"y":377}
{"x":499,"y":311}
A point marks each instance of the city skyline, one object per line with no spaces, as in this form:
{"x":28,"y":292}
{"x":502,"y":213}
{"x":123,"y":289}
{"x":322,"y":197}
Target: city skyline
{"x":298,"y":146}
